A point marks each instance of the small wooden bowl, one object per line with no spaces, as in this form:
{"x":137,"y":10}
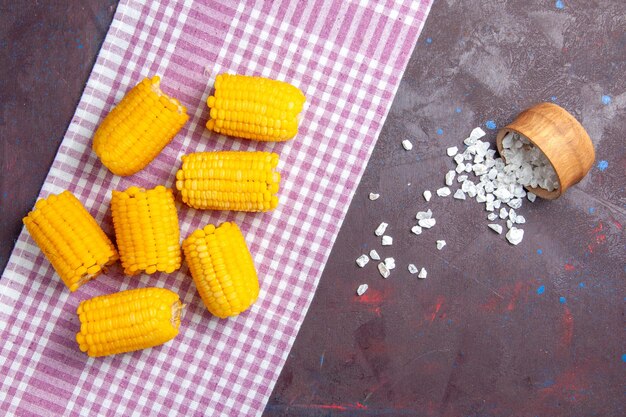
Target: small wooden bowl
{"x":561,"y":138}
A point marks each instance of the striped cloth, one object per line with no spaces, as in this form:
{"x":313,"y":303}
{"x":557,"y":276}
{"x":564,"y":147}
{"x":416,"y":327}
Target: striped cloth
{"x":348,"y":58}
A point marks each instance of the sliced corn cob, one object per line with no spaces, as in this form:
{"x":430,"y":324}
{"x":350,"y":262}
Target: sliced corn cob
{"x":222,"y":268}
{"x":138,"y":128}
{"x":255,"y":108}
{"x":69,"y":236}
{"x":128,"y":320}
{"x":146,"y":228}
{"x":229,"y":180}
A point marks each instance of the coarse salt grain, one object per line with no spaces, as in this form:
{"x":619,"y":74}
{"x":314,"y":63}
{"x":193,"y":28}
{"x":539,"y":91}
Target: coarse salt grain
{"x":450,"y":177}
{"x":428,"y":214}
{"x":441,"y":244}
{"x":427,"y":195}
{"x":495,"y":227}
{"x":384,"y":271}
{"x":451,"y":151}
{"x":416,"y":230}
{"x":362,"y":260}
{"x":390,"y":263}
{"x":387,"y":240}
{"x":443,"y":192}
{"x":361,"y":290}
{"x":459,"y":195}
{"x":374,"y":255}
{"x":374,"y":196}
{"x":407,"y":145}
{"x":412,"y":269}
{"x":503,"y":213}
{"x":515,"y":235}
{"x":423,"y":273}
{"x":490,"y":216}
{"x":427,"y":223}
{"x":380,"y":230}
{"x":531,"y":197}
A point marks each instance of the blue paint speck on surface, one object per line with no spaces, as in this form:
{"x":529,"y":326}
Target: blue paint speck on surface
{"x":541,"y":289}
{"x":553,"y":98}
{"x":322,"y":360}
{"x":562,"y":300}
{"x":581,"y":285}
{"x":5,"y":194}
{"x":603,"y":165}
{"x":458,"y":110}
{"x":559,"y":4}
{"x":80,"y":46}
{"x":539,"y":251}
{"x":491,"y":124}
{"x":440,"y":131}
{"x":547,"y":383}
{"x":624,"y":357}
{"x":592,"y":210}
{"x":429,"y":40}
{"x":606,"y":99}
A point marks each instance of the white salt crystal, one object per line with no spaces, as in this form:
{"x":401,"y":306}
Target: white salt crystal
{"x":361,"y":290}
{"x":423,"y":273}
{"x":512,"y":215}
{"x":503,"y":213}
{"x":502,"y":194}
{"x":490,"y":216}
{"x":520,"y":219}
{"x":496,"y":204}
{"x":390,"y":263}
{"x":416,"y":230}
{"x":427,"y":195}
{"x":374,"y":255}
{"x":515,"y":235}
{"x":461,"y":178}
{"x":480,"y":197}
{"x":387,"y":240}
{"x":441,"y":244}
{"x":374,"y":196}
{"x":477,"y":133}
{"x":362,"y":260}
{"x":495,"y":227}
{"x":427,"y":223}
{"x":479,"y":169}
{"x":460,"y":168}
{"x":515,"y":203}
{"x":468,"y":167}
{"x":459,"y":195}
{"x":531,"y":197}
{"x":450,"y":177}
{"x":443,"y":192}
{"x":509,"y":224}
{"x":451,"y":151}
{"x":380,"y":230}
{"x":384,"y":271}
{"x":489,"y":205}
{"x":428,"y":214}
{"x":407,"y":145}
{"x":412,"y":269}
{"x":459,"y":159}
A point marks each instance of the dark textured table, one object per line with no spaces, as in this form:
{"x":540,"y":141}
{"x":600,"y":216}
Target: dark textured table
{"x":495,"y":330}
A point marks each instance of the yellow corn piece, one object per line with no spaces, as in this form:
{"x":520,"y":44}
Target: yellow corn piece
{"x":229,"y":180}
{"x":128,"y":320}
{"x":146,"y":228}
{"x":138,"y":128}
{"x":222,"y":268}
{"x":69,"y":236}
{"x":255,"y":108}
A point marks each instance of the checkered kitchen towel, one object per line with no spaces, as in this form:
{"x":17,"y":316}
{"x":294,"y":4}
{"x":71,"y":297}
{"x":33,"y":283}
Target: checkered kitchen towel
{"x":348,"y":58}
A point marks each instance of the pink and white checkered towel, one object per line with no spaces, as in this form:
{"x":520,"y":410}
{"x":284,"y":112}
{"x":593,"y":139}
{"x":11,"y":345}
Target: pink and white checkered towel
{"x":348,"y":58}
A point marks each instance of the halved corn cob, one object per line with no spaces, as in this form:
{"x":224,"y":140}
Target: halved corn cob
{"x":229,"y":180}
{"x":128,"y":320}
{"x":138,"y":128}
{"x":255,"y":108}
{"x":69,"y":236}
{"x":222,"y":268}
{"x":146,"y":228}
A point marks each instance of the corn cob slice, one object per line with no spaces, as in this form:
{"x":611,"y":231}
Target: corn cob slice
{"x":255,"y":108}
{"x":222,"y":268}
{"x":138,"y":128}
{"x":229,"y":180}
{"x":146,"y":228}
{"x":128,"y":320}
{"x":69,"y":236}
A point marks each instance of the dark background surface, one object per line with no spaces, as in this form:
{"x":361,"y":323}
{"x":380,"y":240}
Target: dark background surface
{"x":495,"y":330}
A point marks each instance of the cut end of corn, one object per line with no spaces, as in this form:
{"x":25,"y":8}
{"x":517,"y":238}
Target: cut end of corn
{"x":138,"y":128}
{"x":128,"y":320}
{"x":222,"y":268}
{"x":70,"y":238}
{"x":146,"y":228}
{"x":229,"y":180}
{"x":254,"y":108}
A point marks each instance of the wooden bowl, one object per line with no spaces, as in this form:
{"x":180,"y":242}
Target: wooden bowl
{"x":561,"y":138}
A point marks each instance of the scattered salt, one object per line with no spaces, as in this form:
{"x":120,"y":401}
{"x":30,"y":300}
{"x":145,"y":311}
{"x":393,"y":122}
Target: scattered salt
{"x":374,"y":255}
{"x":423,"y":273}
{"x":387,"y":240}
{"x":416,"y":230}
{"x":531,"y":197}
{"x":441,"y":244}
{"x":380,"y":230}
{"x":407,"y":145}
{"x":427,"y":223}
{"x":515,"y":235}
{"x":362,"y":260}
{"x":412,"y":269}
{"x":428,"y":214}
{"x":374,"y":196}
{"x":450,"y":177}
{"x":503,"y":213}
{"x":459,"y":195}
{"x":495,"y":227}
{"x":390,"y":263}
{"x":452,"y":150}
{"x":384,"y":271}
{"x":427,"y":195}
{"x":490,"y":216}
{"x":443,"y":192}
{"x":361,"y":290}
